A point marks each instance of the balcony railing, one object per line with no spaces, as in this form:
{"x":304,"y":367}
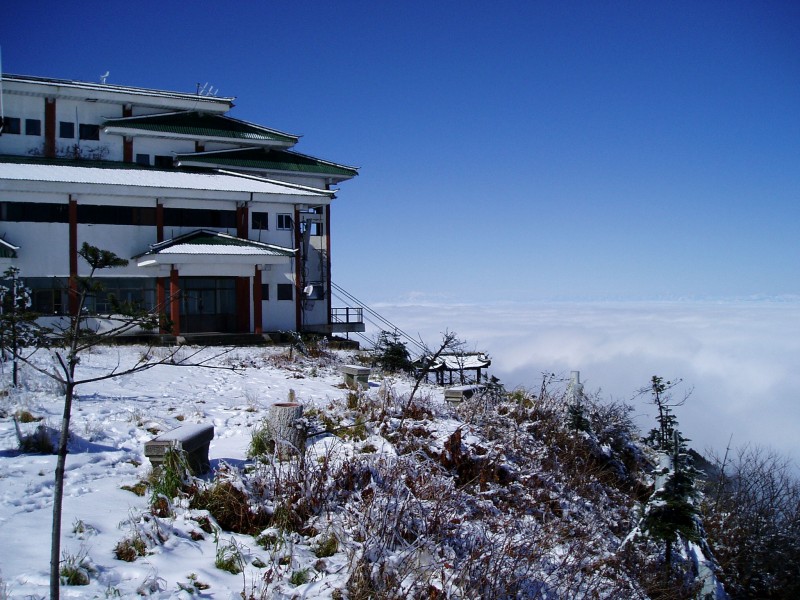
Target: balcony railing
{"x":347,"y":315}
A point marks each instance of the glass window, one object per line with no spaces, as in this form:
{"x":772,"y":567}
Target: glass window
{"x":11,"y":125}
{"x":284,"y":221}
{"x":48,"y":295}
{"x":33,"y":127}
{"x":66,"y":130}
{"x":285,"y":291}
{"x":89,"y":132}
{"x":200,"y":217}
{"x":265,"y":291}
{"x":165,"y":162}
{"x":260,"y":220}
{"x":143,"y":159}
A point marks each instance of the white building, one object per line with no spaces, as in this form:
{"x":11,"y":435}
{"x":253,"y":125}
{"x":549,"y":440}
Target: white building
{"x":226,"y":228}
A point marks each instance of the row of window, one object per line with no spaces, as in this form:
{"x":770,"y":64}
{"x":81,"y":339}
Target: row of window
{"x":48,"y":212}
{"x":49,"y":295}
{"x":260,"y":220}
{"x":66,"y":129}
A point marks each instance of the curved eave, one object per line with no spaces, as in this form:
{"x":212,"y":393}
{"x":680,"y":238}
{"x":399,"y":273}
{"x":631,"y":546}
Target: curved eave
{"x":238,"y":160}
{"x":211,"y":258}
{"x":251,"y":140}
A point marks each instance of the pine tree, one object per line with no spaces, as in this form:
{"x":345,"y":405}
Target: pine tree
{"x":18,"y":326}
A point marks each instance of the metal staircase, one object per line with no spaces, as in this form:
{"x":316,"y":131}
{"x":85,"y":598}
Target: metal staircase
{"x":372,"y":317}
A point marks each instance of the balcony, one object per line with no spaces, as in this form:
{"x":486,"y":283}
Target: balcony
{"x":343,"y":320}
{"x":347,"y":320}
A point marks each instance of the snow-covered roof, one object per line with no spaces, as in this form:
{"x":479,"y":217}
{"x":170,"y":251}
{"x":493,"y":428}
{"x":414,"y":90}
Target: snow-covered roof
{"x":19,"y":175}
{"x":202,"y":244}
{"x":458,"y":362}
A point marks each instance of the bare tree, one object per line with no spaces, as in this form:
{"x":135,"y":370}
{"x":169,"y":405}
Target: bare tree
{"x":67,"y":344}
{"x":753,"y":523}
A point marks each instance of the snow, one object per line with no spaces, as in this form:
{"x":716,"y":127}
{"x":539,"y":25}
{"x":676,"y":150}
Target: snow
{"x":456,"y":498}
{"x":111,"y":422}
{"x":223,"y":182}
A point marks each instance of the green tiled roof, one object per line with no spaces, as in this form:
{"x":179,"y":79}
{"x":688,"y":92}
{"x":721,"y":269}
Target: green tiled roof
{"x":204,"y":241}
{"x":269,"y":159}
{"x":202,"y":125}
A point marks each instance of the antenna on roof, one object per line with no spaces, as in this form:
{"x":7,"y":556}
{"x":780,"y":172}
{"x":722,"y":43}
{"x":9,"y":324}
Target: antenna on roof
{"x":104,"y":76}
{"x":206,"y":90}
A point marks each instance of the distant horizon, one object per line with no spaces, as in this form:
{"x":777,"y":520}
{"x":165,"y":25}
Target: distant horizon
{"x":739,"y":356}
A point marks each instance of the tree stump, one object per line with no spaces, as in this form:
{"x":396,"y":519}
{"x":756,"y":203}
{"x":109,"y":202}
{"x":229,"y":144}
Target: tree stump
{"x":288,"y":432}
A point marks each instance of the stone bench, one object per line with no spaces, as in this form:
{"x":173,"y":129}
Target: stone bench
{"x":193,"y":440}
{"x":356,"y":376}
{"x":460,"y":393}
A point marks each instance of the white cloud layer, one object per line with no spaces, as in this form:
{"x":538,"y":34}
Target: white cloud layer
{"x":740,"y":357}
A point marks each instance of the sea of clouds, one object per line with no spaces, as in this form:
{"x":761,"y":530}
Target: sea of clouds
{"x":738,"y":358}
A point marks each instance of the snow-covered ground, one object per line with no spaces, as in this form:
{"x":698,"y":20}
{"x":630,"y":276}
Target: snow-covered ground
{"x":111,"y":422}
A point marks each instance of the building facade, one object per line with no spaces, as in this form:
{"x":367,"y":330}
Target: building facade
{"x":226,"y":227}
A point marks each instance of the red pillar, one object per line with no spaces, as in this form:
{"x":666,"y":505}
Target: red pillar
{"x":174,"y":301}
{"x":258,"y":316}
{"x":242,"y":217}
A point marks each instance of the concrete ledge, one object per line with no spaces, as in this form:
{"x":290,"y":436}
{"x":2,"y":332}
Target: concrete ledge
{"x":356,"y":376}
{"x":460,"y":393}
{"x":192,"y":439}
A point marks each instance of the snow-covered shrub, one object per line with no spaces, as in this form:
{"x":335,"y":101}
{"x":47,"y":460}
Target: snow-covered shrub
{"x":130,"y":548}
{"x":230,"y":506}
{"x":229,"y":557}
{"x":76,"y":569}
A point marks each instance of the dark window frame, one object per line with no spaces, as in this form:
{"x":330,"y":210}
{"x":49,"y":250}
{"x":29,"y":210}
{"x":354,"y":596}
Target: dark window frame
{"x":163,"y":161}
{"x":89,"y":131}
{"x":66,"y":130}
{"x":284,"y":217}
{"x":285,"y":292}
{"x":33,"y":127}
{"x":12,"y":126}
{"x":259,"y":220}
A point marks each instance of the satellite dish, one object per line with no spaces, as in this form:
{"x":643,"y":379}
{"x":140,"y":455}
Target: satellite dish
{"x":104,"y":76}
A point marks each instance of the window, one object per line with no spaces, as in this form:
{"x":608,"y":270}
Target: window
{"x":34,"y":212}
{"x":48,"y":294}
{"x":116,"y":215}
{"x":265,"y":291}
{"x":314,"y":227}
{"x":143,"y":159}
{"x":11,"y":125}
{"x":200,"y":217}
{"x":164,"y":162}
{"x":260,"y":220}
{"x":89,"y":132}
{"x":285,"y":291}
{"x":66,"y":130}
{"x":116,"y":292}
{"x":284,"y":221}
{"x":33,"y":127}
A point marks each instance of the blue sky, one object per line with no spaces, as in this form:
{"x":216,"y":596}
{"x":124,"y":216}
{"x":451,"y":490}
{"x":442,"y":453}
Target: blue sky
{"x":517,"y":152}
{"x":508,"y":151}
